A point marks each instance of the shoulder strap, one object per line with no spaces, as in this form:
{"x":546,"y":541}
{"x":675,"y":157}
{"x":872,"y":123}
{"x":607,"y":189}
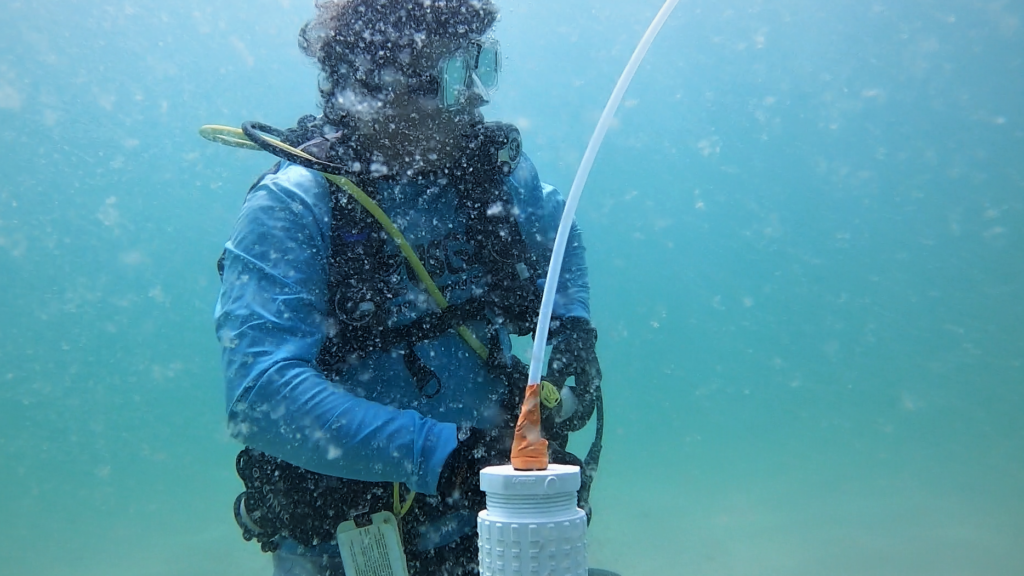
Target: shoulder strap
{"x":356,"y":292}
{"x":494,"y":150}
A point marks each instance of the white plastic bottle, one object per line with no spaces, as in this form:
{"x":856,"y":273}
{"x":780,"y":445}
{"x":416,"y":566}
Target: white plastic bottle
{"x":532,"y":526}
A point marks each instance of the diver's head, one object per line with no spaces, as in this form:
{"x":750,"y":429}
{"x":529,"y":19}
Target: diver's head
{"x":408,"y":75}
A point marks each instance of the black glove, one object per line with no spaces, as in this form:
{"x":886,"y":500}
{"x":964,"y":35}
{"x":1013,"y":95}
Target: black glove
{"x":574,"y":353}
{"x":478,"y":449}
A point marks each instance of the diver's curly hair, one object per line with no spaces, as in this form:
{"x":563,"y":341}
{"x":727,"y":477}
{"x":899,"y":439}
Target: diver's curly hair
{"x":350,"y":37}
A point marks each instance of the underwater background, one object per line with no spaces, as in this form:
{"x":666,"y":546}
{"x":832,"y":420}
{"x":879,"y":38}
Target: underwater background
{"x":805,"y":240}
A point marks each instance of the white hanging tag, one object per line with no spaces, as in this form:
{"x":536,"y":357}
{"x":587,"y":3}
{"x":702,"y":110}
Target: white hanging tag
{"x":374,"y":550}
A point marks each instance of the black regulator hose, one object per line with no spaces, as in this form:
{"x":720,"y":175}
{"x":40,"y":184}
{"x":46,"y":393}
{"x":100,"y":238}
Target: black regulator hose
{"x":255,"y":131}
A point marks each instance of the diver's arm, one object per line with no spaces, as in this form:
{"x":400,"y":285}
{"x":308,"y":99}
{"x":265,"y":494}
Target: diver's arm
{"x":270,"y":320}
{"x":540,"y":209}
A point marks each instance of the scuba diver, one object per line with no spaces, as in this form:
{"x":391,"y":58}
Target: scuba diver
{"x":358,"y":380}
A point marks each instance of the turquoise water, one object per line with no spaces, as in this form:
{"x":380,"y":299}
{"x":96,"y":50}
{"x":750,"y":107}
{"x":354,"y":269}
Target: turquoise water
{"x":805,"y":236}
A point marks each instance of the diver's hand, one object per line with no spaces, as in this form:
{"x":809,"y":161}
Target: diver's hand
{"x":574,"y":354}
{"x":476,"y":450}
{"x":559,"y":455}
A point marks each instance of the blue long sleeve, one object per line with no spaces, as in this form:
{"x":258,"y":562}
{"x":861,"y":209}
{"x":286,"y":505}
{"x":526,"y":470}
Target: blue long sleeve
{"x":272,"y":318}
{"x":270,"y":321}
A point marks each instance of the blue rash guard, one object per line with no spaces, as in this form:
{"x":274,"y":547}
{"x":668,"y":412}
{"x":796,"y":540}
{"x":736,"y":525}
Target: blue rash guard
{"x":370,"y":423}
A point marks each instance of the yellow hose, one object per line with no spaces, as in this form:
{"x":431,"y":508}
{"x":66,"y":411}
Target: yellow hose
{"x":236,"y":138}
{"x":227,"y":136}
{"x":399,"y":508}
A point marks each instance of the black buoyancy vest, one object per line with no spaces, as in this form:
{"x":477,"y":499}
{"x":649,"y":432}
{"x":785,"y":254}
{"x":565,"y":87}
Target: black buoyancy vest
{"x":363,"y":275}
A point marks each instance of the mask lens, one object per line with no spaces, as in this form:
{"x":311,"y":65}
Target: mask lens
{"x":470,"y":75}
{"x":488,"y":65}
{"x":453,"y":81}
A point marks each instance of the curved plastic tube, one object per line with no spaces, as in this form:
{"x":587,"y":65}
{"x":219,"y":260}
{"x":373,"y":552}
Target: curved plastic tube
{"x":540,"y":339}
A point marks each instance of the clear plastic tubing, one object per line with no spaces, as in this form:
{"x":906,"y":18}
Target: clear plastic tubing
{"x":540,"y":339}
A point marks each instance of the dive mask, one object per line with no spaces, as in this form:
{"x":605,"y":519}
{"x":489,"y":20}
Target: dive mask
{"x":465,"y":79}
{"x":469,"y":76}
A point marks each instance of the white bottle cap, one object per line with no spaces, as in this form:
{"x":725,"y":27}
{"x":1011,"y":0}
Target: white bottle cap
{"x":558,"y":478}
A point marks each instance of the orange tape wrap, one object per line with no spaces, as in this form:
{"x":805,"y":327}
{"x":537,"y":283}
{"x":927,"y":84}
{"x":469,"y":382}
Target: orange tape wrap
{"x":529,"y":448}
